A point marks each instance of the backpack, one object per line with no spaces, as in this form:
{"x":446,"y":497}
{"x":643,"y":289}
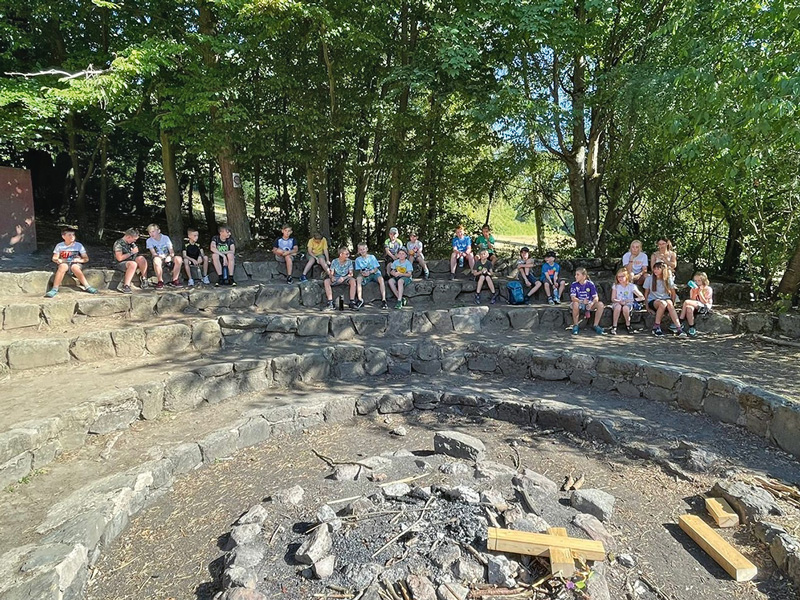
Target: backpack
{"x":515,"y":294}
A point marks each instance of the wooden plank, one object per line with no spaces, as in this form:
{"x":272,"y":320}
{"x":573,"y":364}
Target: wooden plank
{"x":539,"y":544}
{"x":561,"y":560}
{"x":728,"y":557}
{"x":721,"y":512}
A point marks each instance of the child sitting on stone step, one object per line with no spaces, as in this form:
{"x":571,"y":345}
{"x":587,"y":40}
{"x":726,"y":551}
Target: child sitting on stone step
{"x":317,"y":255}
{"x":525,"y":266}
{"x":550,"y":279}
{"x":462,"y":250}
{"x":126,"y":253}
{"x":400,"y":271}
{"x":701,"y":299}
{"x":414,"y":247}
{"x":659,"y":293}
{"x":163,"y":253}
{"x":391,"y":246}
{"x":483,"y":274}
{"x":194,"y":258}
{"x":340,"y":273}
{"x":285,"y":249}
{"x":368,"y":269}
{"x":583,"y":294}
{"x":625,"y":297}
{"x":68,"y":256}
{"x":223,"y":257}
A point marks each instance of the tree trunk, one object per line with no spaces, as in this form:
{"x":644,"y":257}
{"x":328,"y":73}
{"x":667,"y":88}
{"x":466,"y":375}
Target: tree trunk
{"x":101,"y":214}
{"x":190,"y":202}
{"x":538,"y":218}
{"x":733,"y":245}
{"x":81,"y":180}
{"x":790,"y":282}
{"x":172,"y":192}
{"x":313,"y":192}
{"x":137,"y":194}
{"x":207,"y":201}
{"x":235,"y":208}
{"x":257,"y":191}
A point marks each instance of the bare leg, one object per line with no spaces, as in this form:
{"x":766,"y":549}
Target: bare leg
{"x":535,"y":288}
{"x":205,"y":266}
{"x":575,"y":306}
{"x":626,"y":312}
{"x":215,"y":258}
{"x":352,"y":289}
{"x":453,"y":262}
{"x":158,"y":268}
{"x":289,"y":264}
{"x":176,"y":270}
{"x":231,"y":259}
{"x":382,"y":285}
{"x":490,"y":285}
{"x":78,"y":272}
{"x":480,"y":283}
{"x":393,"y":287}
{"x":598,"y":312}
{"x":328,"y":291}
{"x":661,"y":306}
{"x":61,"y":270}
{"x":615,"y":315}
{"x":130,"y":269}
{"x":471,"y":260}
{"x":360,"y":287}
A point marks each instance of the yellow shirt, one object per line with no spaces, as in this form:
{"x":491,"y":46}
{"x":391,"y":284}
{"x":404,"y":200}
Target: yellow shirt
{"x":317,"y":247}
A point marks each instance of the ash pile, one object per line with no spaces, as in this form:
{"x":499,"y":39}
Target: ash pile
{"x":405,"y":540}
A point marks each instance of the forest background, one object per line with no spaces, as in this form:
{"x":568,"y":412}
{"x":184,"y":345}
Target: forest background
{"x":581,"y":124}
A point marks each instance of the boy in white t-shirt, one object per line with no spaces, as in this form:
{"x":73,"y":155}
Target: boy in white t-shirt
{"x":367,"y":269}
{"x":285,"y":249}
{"x":624,"y":297}
{"x":414,"y":247}
{"x":635,"y":261}
{"x":69,"y":255}
{"x":161,"y":249}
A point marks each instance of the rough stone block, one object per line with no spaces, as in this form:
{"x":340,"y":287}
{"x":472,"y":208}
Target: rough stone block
{"x":376,"y":361}
{"x":760,"y":406}
{"x":31,"y":354}
{"x":96,"y":345}
{"x":722,"y":408}
{"x":34,"y":282}
{"x":59,"y":313}
{"x":445,"y":293}
{"x":151,"y":398}
{"x":552,"y":319}
{"x":21,"y":315}
{"x":16,"y":441}
{"x":785,"y":429}
{"x":167,"y":339}
{"x":116,"y":411}
{"x":282,"y":324}
{"x":691,"y":390}
{"x":143,"y":306}
{"x":496,"y":320}
{"x":202,"y":299}
{"x":395,"y":403}
{"x":104,"y":306}
{"x":15,"y":469}
{"x":658,"y":394}
{"x":171,"y":303}
{"x":466,"y":323}
{"x":523,"y":317}
{"x":714,"y":322}
{"x":342,"y":327}
{"x":184,"y":457}
{"x":426,"y":367}
{"x":400,"y":368}
{"x":313,"y":366}
{"x":129,"y":343}
{"x":278,"y":297}
{"x":254,"y":431}
{"x":219,"y":389}
{"x":485,"y":363}
{"x":440,"y":321}
{"x":789,"y":324}
{"x":754,"y":322}
{"x":421,"y":323}
{"x":458,"y":445}
{"x":594,"y":502}
{"x":313,"y":326}
{"x":183,"y":392}
{"x":662,"y":377}
{"x":369,"y":324}
{"x":400,"y":322}
{"x":311,"y":294}
{"x":242,"y":296}
{"x":218,"y":445}
{"x":750,"y":502}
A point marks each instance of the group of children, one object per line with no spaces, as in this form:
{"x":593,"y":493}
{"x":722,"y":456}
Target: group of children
{"x":655,"y":275}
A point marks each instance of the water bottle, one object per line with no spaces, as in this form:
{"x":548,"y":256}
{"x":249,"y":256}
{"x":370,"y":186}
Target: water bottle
{"x":224,"y":272}
{"x":341,"y":302}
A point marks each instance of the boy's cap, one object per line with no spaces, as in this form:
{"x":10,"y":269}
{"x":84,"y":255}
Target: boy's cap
{"x":525,"y":249}
{"x":393,"y":230}
{"x":550,"y":253}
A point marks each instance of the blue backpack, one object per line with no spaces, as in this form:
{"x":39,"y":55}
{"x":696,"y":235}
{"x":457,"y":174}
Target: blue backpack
{"x":515,"y":294}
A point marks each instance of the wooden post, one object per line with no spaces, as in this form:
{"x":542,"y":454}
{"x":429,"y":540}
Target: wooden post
{"x":561,"y":558}
{"x":721,"y":512}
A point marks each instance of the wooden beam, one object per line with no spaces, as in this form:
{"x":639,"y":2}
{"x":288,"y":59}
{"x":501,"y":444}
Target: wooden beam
{"x":728,"y":557}
{"x":561,"y":560}
{"x":721,"y":512}
{"x":539,"y":544}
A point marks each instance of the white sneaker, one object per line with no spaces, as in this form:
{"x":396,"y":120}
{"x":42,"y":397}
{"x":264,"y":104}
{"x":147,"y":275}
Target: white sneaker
{"x":206,"y":281}
{"x":190,"y":283}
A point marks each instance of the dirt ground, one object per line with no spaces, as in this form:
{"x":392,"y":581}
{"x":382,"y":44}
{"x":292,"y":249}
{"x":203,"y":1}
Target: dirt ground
{"x":168,"y":549}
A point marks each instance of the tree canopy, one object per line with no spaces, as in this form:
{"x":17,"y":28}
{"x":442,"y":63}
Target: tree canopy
{"x":602,"y":120}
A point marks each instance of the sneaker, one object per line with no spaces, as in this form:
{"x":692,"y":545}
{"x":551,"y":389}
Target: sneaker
{"x":494,"y":299}
{"x":160,"y":285}
{"x":692,"y":332}
{"x":427,"y":275}
{"x":91,"y":290}
{"x":404,"y":301}
{"x":599,"y":330}
{"x":174,"y":283}
{"x":452,"y":276}
{"x":399,"y":304}
{"x":144,"y":284}
{"x":126,"y":289}
{"x":575,"y":330}
{"x":551,"y":301}
{"x":613,"y":331}
{"x":190,"y":283}
{"x":461,"y":263}
{"x":352,"y":304}
{"x":681,"y":333}
{"x":657,"y":332}
{"x":303,"y":278}
{"x":330,"y":305}
{"x":231,"y":282}
{"x":289,"y":279}
{"x":673,"y":328}
{"x":206,"y":281}
{"x":359,"y":304}
{"x":384,"y":305}
{"x":556,"y":298}
{"x":630,"y":329}
{"x":477,"y":298}
{"x":52,"y":293}
{"x":219,"y":283}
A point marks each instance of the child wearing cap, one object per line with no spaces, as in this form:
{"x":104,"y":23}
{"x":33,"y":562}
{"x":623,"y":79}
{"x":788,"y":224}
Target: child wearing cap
{"x":391,"y":246}
{"x":525,"y":267}
{"x":550,"y":279}
{"x":414,"y":247}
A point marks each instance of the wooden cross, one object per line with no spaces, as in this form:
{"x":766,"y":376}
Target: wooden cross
{"x":561,"y":549}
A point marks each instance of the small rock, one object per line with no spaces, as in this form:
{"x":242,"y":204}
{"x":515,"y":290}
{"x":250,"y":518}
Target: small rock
{"x":626,"y":560}
{"x":346,"y":472}
{"x":467,"y":570}
{"x":324,"y":568}
{"x":597,"y":584}
{"x":293,"y":495}
{"x":702,"y":461}
{"x":315,"y":547}
{"x":396,"y":490}
{"x":751,"y":502}
{"x":362,"y":575}
{"x":462,"y":493}
{"x":245,"y":556}
{"x":457,"y":469}
{"x":244,"y":534}
{"x":325,"y":514}
{"x":402,"y":453}
{"x":535,"y":483}
{"x":488,"y":469}
{"x":594,"y":529}
{"x":399,"y":431}
{"x":357,"y":507}
{"x":257,"y":514}
{"x":242,"y":594}
{"x":376,"y":463}
{"x":458,"y":445}
{"x":531,"y":523}
{"x":500,"y":571}
{"x":445,"y":555}
{"x":494,"y":499}
{"x":452,"y":591}
{"x":421,"y":587}
{"x":239,"y":577}
{"x":421,"y":493}
{"x":594,"y":502}
{"x":377,"y":477}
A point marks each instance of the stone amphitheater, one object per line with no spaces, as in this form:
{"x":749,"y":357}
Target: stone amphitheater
{"x":181,"y":380}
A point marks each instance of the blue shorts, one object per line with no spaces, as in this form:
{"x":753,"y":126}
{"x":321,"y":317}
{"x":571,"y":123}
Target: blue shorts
{"x":543,"y":280}
{"x":371,"y":277}
{"x":405,"y":280}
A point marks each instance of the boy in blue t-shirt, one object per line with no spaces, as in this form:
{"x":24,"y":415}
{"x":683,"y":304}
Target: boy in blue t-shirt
{"x":462,"y":248}
{"x":400,"y":271}
{"x":584,"y":299}
{"x":285,"y":249}
{"x":550,"y":279}
{"x":367,"y":269}
{"x":69,"y":255}
{"x":340,"y":273}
